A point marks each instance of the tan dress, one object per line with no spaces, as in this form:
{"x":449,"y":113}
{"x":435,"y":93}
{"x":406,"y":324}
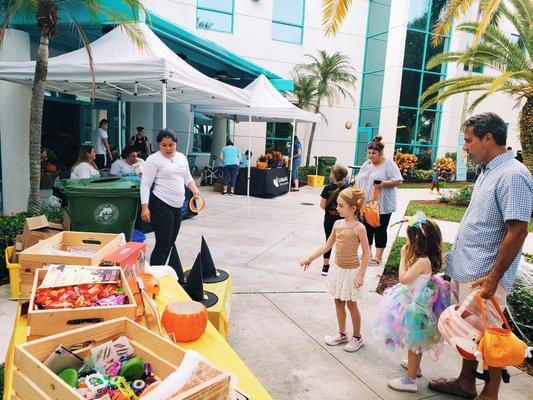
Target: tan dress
{"x":342,"y":274}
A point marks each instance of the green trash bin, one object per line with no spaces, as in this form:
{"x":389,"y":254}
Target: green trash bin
{"x":107,"y":205}
{"x":324,"y":165}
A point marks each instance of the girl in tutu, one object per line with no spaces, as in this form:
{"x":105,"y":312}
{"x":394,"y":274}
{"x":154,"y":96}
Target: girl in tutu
{"x":347,"y":275}
{"x":410,"y":310}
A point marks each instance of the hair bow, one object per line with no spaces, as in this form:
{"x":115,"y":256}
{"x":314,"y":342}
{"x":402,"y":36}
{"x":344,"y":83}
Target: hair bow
{"x":417,"y":221}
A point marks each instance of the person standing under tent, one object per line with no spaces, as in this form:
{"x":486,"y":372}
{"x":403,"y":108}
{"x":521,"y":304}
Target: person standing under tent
{"x":230,"y":157}
{"x":165,"y":175}
{"x":140,"y":143}
{"x":296,"y":162}
{"x":100,"y":142}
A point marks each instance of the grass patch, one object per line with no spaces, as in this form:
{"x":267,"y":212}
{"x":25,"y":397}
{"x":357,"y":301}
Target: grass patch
{"x":427,"y":185}
{"x":442,"y":211}
{"x":2,"y":381}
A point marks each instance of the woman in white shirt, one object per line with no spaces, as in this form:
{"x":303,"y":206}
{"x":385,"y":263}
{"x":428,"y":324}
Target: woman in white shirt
{"x":129,"y":163}
{"x":165,"y":175}
{"x":85,"y":166}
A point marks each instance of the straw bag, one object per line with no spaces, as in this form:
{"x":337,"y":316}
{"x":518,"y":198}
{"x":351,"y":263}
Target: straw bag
{"x":499,"y":347}
{"x":370,"y":210}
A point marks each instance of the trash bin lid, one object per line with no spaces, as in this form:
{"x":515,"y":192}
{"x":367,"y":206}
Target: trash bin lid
{"x":327,"y":160}
{"x":107,"y":186}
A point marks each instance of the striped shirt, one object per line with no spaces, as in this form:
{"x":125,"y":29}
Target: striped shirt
{"x":383,"y":172}
{"x":502,"y":192}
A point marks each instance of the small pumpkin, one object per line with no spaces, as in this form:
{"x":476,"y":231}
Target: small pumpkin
{"x":52,"y":168}
{"x":261,"y":165}
{"x":185,"y":320}
{"x":151,"y":284}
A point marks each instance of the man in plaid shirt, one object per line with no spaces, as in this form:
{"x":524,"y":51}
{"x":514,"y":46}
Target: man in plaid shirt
{"x":487,"y":249}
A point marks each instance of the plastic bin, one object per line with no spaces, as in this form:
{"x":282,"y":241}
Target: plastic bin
{"x":106,"y":205}
{"x":315,"y":180}
{"x":324,"y":165}
{"x":14,"y":273}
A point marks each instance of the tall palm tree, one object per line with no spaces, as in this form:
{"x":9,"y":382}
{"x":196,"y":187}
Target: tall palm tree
{"x":305,"y":91}
{"x":498,"y":51}
{"x":333,"y":75}
{"x":46,"y":17}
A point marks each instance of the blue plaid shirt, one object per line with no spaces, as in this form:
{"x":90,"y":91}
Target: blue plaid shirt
{"x":502,"y":192}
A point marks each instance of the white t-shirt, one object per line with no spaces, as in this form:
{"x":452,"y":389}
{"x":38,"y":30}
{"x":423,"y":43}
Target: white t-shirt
{"x":169,"y":176}
{"x":96,"y":139}
{"x":84,"y":170}
{"x":121,"y":167}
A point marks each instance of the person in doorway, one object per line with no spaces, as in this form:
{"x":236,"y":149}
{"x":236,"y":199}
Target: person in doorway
{"x":435,"y":179}
{"x":140,"y":143}
{"x":100,"y":142}
{"x":129,"y":164}
{"x":85,"y":166}
{"x":328,"y":202}
{"x":165,"y":175}
{"x":488,"y":246}
{"x":296,"y":162}
{"x":230,"y":157}
{"x":379,"y":176}
{"x":245,"y":159}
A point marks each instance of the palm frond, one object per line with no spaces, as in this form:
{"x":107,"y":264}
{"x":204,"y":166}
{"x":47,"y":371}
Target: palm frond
{"x":334,"y":12}
{"x":26,"y":8}
{"x":489,"y":10}
{"x":454,"y":9}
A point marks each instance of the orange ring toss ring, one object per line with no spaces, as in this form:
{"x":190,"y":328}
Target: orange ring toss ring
{"x":196,"y":204}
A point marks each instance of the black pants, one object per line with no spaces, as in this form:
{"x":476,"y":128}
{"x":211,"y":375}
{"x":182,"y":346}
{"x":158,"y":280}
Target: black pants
{"x":102,"y":161}
{"x":329,"y":220}
{"x":166,"y":222}
{"x":379,"y":233}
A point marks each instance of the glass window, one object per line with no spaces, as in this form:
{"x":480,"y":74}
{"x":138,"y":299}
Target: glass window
{"x":378,"y":19}
{"x":437,"y":9}
{"x":372,"y":90}
{"x":418,"y":14}
{"x":405,"y":128}
{"x":427,"y":127}
{"x":410,"y":88}
{"x":432,"y":50}
{"x":278,"y":137}
{"x":288,"y":20}
{"x":369,"y":118}
{"x":202,"y":135}
{"x":216,"y":15}
{"x":414,"y":50}
{"x":428,"y":80}
{"x":376,"y":51}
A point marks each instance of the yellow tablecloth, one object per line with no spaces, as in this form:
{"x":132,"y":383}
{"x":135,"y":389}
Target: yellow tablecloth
{"x":211,"y":345}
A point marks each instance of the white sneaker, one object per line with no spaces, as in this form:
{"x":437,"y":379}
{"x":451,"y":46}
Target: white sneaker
{"x":353,"y":345}
{"x":404,"y":365}
{"x":336,"y":339}
{"x":403,"y":385}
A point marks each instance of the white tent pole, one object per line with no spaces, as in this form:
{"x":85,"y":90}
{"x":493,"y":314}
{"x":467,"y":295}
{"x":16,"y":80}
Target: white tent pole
{"x":317,"y":154}
{"x":291,"y":155}
{"x":189,"y":133}
{"x":164,"y":103}
{"x":249,"y":159}
{"x":119,"y":125}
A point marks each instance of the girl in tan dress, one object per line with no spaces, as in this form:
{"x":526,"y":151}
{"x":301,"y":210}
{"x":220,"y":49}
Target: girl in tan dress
{"x":346,"y":276}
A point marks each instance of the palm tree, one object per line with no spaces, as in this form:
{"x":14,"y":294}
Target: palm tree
{"x":332,"y":76}
{"x":46,"y":17}
{"x":305,"y":91}
{"x":498,"y":51}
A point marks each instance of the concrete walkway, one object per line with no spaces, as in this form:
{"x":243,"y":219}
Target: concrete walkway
{"x":280,"y":314}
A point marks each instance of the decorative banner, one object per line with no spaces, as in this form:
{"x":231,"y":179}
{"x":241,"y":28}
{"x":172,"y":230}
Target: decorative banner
{"x":460,"y":160}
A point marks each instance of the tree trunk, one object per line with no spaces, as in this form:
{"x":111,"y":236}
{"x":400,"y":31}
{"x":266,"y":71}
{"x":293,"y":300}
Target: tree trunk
{"x":36,"y":121}
{"x":312,"y":135}
{"x":525,"y":124}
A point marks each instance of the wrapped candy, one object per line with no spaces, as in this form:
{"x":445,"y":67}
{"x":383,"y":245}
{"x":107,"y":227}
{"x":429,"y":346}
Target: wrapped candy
{"x":77,"y":296}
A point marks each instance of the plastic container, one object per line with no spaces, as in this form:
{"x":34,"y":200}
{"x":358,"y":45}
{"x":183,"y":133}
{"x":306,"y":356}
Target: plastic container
{"x":324,"y":165}
{"x":14,"y":273}
{"x":315,"y":180}
{"x":106,"y":205}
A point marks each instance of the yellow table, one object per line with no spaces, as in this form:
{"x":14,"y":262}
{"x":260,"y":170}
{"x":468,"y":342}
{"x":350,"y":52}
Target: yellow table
{"x":211,"y":345}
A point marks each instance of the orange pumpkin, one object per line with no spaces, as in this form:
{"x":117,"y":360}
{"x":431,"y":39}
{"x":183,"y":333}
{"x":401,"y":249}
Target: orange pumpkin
{"x":261,"y":165}
{"x":185,"y":320}
{"x":52,"y":168}
{"x":151,"y":284}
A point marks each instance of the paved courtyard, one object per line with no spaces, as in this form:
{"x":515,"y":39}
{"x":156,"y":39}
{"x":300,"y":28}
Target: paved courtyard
{"x":280,"y":314}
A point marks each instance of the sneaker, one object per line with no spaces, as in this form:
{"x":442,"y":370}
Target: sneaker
{"x":336,"y":339}
{"x":403,"y":384}
{"x":354,"y":344}
{"x":404,"y":365}
{"x":325,"y":270}
{"x":230,"y":193}
{"x":222,"y":192}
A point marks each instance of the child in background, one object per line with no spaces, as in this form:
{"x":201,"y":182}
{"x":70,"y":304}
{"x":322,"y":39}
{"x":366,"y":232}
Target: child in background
{"x":348,"y":273}
{"x":410,"y":310}
{"x":337,"y":182}
{"x":435,"y":179}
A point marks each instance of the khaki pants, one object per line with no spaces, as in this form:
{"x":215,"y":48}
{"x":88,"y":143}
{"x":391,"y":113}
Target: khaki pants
{"x":461,"y":290}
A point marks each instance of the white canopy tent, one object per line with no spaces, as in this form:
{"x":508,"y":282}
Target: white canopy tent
{"x":125,"y":71}
{"x":266,"y":104}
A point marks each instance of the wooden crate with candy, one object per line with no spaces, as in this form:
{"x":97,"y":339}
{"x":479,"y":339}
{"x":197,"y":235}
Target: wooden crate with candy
{"x":65,"y":297}
{"x":113,"y":360}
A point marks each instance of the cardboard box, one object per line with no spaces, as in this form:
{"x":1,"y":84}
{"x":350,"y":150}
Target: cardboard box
{"x":32,"y":380}
{"x":37,"y":229}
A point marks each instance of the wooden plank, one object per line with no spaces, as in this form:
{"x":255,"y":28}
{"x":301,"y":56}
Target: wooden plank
{"x":25,"y":388}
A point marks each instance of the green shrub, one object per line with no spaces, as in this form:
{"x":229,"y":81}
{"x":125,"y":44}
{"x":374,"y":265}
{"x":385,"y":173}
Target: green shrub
{"x":520,"y":302}
{"x":304,"y":171}
{"x":393,"y":262}
{"x":459,"y":198}
{"x":421,"y":175}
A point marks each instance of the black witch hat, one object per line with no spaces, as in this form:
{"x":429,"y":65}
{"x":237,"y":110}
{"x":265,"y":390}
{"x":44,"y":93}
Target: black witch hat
{"x":210,"y":274}
{"x":195,"y":287}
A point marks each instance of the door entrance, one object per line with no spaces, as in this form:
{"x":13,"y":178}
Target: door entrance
{"x":364,"y":136}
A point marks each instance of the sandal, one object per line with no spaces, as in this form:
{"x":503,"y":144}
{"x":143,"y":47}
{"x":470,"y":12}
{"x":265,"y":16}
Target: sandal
{"x":374,"y":261}
{"x":450,"y":386}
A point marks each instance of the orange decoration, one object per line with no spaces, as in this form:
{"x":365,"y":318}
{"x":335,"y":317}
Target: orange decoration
{"x":185,"y":320}
{"x":52,"y":168}
{"x":261,"y":165}
{"x":151,"y":284}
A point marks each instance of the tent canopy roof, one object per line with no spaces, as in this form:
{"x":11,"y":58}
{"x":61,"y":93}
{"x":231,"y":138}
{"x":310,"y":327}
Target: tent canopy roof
{"x":135,"y":73}
{"x":267,"y":104}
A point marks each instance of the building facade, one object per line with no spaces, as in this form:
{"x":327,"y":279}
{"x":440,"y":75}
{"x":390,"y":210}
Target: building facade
{"x":387,"y":41}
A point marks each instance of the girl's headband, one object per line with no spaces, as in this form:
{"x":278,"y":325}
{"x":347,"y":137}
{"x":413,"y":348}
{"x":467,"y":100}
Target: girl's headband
{"x":416,"y":221}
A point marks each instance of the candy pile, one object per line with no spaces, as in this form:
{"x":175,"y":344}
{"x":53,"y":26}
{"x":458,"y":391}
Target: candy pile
{"x":87,"y":295}
{"x":112,"y":372}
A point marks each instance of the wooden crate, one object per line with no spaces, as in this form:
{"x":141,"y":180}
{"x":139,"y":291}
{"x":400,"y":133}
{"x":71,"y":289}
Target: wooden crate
{"x":34,"y":257}
{"x":34,"y":381}
{"x":48,"y":322}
